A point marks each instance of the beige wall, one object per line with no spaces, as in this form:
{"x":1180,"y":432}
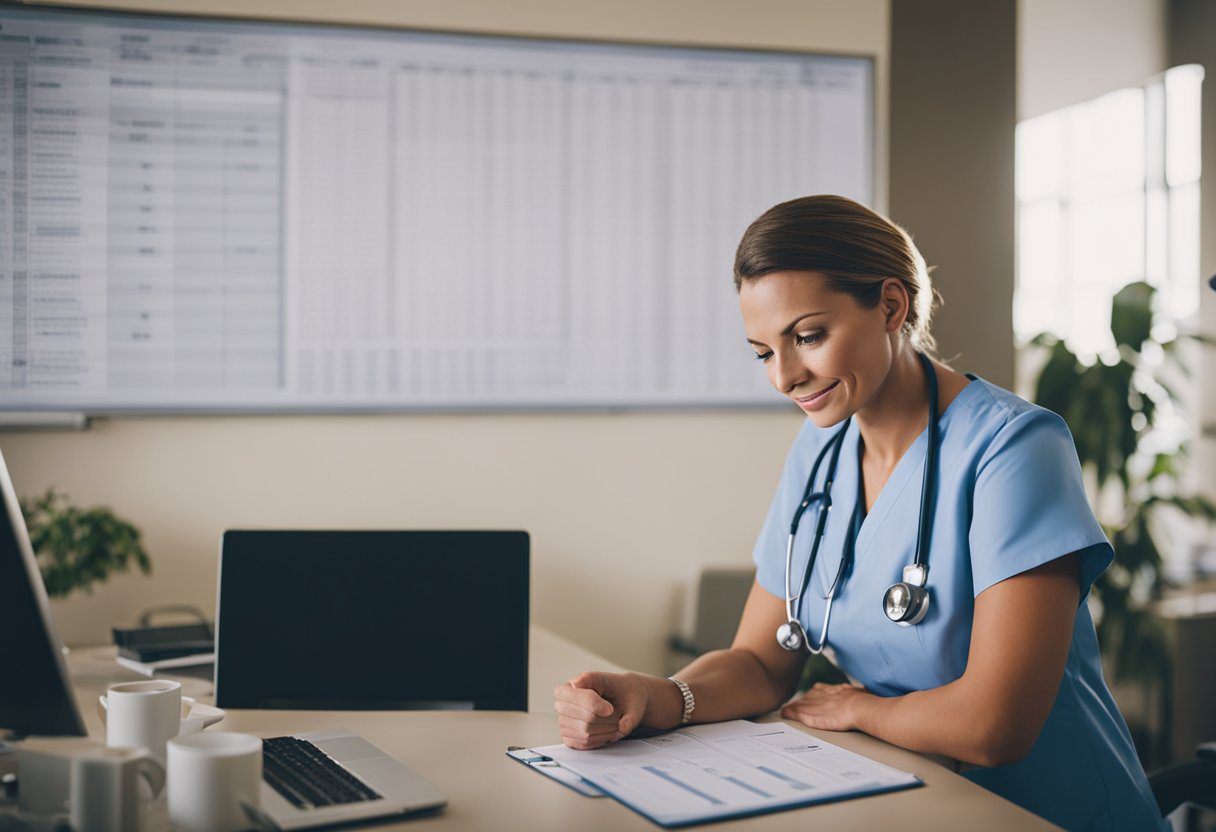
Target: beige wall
{"x":951,"y":177}
{"x":623,"y":508}
{"x":1073,"y":51}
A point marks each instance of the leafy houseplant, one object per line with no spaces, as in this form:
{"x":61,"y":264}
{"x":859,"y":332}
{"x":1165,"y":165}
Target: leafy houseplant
{"x":1111,"y":407}
{"x":77,"y":548}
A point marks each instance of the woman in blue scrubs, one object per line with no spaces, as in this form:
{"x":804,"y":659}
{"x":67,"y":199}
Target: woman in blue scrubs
{"x":1002,"y":673}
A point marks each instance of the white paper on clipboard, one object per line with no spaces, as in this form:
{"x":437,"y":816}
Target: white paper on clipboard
{"x":730,"y":769}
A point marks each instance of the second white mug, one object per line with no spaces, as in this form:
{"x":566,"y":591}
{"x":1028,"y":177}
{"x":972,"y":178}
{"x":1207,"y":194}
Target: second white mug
{"x":212,"y":777}
{"x":146,"y":714}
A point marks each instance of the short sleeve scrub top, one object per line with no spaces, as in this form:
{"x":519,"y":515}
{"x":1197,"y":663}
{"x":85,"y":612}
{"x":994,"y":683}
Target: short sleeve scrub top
{"x":1009,"y":498}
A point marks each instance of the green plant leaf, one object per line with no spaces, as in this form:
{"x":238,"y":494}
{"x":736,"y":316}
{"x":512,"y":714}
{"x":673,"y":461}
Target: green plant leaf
{"x":1058,"y":380}
{"x":1148,"y":406}
{"x":1102,"y":404}
{"x":1131,"y":315}
{"x":77,"y":548}
{"x":1193,"y":505}
{"x":1163,"y":465}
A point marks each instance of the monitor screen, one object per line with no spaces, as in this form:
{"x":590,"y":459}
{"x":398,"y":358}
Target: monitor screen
{"x":213,"y":214}
{"x":34,"y":693}
{"x":381,"y":620}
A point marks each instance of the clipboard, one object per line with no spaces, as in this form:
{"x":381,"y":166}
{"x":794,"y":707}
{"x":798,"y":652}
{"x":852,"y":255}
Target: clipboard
{"x":554,"y":770}
{"x":719,"y":771}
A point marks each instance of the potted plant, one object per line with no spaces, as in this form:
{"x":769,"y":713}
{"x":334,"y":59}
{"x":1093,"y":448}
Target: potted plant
{"x":78,"y":548}
{"x":1111,"y":406}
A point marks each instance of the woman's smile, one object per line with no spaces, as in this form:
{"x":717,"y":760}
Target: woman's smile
{"x":816,"y":400}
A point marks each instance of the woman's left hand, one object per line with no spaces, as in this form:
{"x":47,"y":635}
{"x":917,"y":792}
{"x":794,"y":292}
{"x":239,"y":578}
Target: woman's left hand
{"x":827,"y":707}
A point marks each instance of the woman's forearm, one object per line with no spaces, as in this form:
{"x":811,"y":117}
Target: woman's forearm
{"x":993,"y":714}
{"x":727,"y":684}
{"x":949,"y":720}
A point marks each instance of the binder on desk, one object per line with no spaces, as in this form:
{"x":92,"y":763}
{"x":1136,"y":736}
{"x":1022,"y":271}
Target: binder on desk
{"x":152,"y":644}
{"x":553,"y":770}
{"x":181,"y":650}
{"x":726,"y":770}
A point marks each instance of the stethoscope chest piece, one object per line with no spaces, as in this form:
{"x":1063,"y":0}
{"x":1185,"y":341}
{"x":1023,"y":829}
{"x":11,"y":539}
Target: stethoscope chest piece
{"x":791,"y":636}
{"x":907,"y":602}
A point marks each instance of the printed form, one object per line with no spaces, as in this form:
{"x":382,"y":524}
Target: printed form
{"x":727,"y":769}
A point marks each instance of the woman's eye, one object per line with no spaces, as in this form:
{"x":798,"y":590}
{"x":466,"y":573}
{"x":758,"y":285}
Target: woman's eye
{"x":812,"y":338}
{"x":764,"y":356}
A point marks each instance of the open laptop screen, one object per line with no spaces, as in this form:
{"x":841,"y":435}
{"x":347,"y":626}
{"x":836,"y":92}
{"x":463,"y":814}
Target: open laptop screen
{"x":34,"y":693}
{"x":383,"y":620}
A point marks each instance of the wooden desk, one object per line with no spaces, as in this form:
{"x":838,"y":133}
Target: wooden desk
{"x":463,"y":754}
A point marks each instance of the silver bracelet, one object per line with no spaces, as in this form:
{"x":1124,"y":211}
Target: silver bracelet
{"x":689,"y":702}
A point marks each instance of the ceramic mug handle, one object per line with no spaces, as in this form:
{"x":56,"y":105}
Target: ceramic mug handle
{"x":152,"y":771}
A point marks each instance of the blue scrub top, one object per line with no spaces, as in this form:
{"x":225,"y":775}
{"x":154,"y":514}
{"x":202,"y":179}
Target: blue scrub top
{"x":1009,"y":498}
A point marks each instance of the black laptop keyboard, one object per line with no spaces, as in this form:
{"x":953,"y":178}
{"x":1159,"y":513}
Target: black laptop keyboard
{"x":307,"y":777}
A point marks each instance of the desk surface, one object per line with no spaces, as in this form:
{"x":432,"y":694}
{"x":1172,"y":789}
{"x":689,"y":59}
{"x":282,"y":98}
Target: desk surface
{"x":463,"y":754}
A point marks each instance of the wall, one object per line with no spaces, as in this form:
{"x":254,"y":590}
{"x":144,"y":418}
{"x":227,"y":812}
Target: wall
{"x":952,"y":167}
{"x":624,"y":508}
{"x":1077,"y":50}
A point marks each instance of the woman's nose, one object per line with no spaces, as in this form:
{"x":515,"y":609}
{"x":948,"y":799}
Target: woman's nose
{"x":787,"y":372}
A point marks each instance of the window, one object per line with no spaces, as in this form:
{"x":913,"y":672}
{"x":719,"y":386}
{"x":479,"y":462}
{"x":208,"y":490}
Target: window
{"x":1108,"y":193}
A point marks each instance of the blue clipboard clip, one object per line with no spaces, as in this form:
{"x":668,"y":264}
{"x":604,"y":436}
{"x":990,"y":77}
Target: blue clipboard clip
{"x":553,"y":770}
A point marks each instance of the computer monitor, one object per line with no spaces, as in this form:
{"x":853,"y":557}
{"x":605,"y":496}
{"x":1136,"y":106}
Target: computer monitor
{"x":376,"y":620}
{"x":35,"y":697}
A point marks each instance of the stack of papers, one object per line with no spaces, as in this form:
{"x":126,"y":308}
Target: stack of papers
{"x":726,"y":770}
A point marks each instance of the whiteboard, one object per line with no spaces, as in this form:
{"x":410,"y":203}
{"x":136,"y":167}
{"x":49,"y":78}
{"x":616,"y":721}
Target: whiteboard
{"x":203,"y":214}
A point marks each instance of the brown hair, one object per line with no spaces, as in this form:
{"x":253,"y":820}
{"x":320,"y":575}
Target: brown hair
{"x":854,"y":248}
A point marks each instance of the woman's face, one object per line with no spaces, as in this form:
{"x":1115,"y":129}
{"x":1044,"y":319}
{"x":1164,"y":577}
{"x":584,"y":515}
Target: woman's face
{"x":820,"y":348}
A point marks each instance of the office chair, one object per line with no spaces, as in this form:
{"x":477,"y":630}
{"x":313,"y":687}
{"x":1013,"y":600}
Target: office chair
{"x":1191,"y":782}
{"x":721,"y":595}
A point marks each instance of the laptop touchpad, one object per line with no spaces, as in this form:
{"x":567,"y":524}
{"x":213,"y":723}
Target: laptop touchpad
{"x":349,"y":749}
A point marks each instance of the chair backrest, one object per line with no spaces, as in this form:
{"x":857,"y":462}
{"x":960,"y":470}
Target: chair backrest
{"x":721,"y":594}
{"x":1190,"y":782}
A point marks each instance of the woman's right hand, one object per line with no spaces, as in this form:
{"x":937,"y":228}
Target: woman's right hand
{"x":594,"y":709}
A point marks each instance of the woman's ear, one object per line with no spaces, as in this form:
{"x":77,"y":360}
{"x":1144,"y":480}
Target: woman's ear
{"x":895,"y":303}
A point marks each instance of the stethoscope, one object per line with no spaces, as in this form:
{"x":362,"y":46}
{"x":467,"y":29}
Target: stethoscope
{"x":906,"y":602}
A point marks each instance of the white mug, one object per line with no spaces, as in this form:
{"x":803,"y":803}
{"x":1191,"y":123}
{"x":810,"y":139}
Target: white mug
{"x":146,"y":714}
{"x":105,"y":793}
{"x":149,"y":714}
{"x":44,"y":772}
{"x":212,"y":776}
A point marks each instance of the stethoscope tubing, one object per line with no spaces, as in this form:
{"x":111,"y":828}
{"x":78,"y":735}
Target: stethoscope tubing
{"x":793,"y":602}
{"x":825,"y":497}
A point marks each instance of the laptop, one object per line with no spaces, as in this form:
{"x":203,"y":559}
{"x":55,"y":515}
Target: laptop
{"x":356,"y":620}
{"x":35,"y":695}
{"x":373,"y":620}
{"x":329,"y":777}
